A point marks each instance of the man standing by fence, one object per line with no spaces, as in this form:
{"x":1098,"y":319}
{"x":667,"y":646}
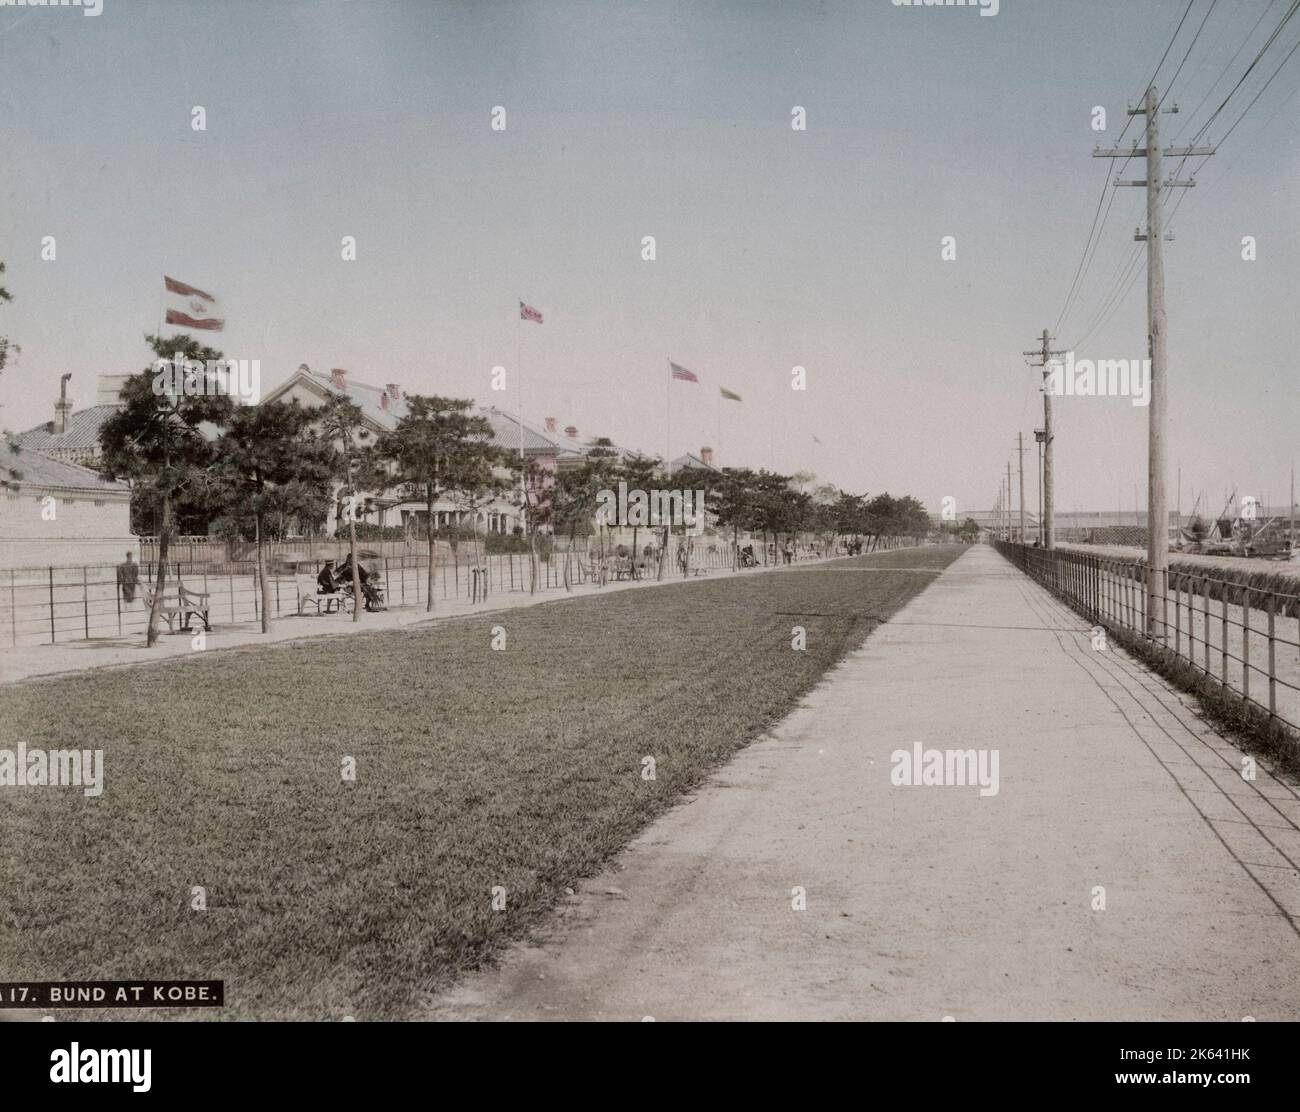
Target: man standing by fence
{"x":128,"y":579}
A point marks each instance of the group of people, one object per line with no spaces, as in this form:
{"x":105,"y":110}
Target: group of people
{"x":332,"y":579}
{"x":786,"y":552}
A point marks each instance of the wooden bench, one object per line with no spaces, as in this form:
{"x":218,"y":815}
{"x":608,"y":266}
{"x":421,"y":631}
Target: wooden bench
{"x":308,"y":592}
{"x":182,"y":607}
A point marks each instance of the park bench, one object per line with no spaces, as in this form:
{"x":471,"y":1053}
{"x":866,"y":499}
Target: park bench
{"x":180,"y":607}
{"x":307,"y":592}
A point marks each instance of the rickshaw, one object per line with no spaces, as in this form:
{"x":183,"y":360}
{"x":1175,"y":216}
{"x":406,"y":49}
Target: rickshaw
{"x":304,"y":569}
{"x":372,"y":589}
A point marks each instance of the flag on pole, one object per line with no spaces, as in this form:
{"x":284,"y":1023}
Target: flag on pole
{"x":729,"y":395}
{"x":682,"y":374}
{"x":190,"y":307}
{"x":527,"y":312}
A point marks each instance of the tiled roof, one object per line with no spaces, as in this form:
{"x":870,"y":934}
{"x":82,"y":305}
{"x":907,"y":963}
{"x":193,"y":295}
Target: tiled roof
{"x":363,"y":394}
{"x":690,"y":459}
{"x":82,"y":433}
{"x":505,"y":433}
{"x":505,"y":426}
{"x":39,"y":470}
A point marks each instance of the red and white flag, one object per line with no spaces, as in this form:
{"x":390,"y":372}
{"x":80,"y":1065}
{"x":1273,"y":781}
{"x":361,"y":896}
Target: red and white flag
{"x":681,"y":373}
{"x":527,"y":312}
{"x":190,"y":307}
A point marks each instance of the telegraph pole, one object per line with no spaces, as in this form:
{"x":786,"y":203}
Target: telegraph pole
{"x":1293,"y":548}
{"x":1009,"y":533}
{"x":1040,"y":435}
{"x":1046,"y":354}
{"x":1157,"y":341}
{"x":1020,"y":436}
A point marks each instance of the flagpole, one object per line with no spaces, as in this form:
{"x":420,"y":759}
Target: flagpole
{"x":519,"y":380}
{"x":717,"y":452}
{"x":668,"y":419}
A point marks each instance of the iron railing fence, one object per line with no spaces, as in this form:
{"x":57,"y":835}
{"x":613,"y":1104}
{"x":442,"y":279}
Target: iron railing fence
{"x":50,"y":605}
{"x":1240,"y":628}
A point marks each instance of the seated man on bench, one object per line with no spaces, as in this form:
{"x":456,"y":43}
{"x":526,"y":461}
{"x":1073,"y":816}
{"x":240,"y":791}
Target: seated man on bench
{"x":327,"y":589}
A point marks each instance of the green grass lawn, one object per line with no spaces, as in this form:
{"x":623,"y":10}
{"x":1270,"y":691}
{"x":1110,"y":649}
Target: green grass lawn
{"x":475,"y":768}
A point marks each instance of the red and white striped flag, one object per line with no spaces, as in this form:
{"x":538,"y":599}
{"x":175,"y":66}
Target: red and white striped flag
{"x":189,"y":307}
{"x":527,"y":312}
{"x":681,"y":373}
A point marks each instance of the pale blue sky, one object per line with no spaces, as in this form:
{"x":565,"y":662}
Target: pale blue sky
{"x":775,"y":248}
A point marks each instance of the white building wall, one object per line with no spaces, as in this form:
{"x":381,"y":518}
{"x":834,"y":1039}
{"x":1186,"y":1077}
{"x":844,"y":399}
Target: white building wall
{"x":85,"y":529}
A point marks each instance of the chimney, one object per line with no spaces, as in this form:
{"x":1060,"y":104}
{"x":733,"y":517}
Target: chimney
{"x":383,"y":400}
{"x":550,"y":424}
{"x":62,"y":407}
{"x":706,"y":457}
{"x":339,"y":378}
{"x":571,"y":431}
{"x":394,"y":390}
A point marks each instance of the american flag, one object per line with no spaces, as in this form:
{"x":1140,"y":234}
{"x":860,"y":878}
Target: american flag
{"x":527,"y":312}
{"x":682,"y":373}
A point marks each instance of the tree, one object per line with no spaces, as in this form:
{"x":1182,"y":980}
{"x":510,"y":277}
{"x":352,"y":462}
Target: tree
{"x":695,"y":478}
{"x":639,"y":473}
{"x":8,"y":472}
{"x":475,"y":475}
{"x":437,"y":440}
{"x":530,"y":489}
{"x":342,"y":426}
{"x":5,"y":295}
{"x":269,"y":462}
{"x":732,"y":500}
{"x":575,"y":498}
{"x":163,"y":443}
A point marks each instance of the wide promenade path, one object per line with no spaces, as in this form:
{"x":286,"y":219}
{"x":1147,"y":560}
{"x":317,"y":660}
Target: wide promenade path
{"x":1123,"y":870}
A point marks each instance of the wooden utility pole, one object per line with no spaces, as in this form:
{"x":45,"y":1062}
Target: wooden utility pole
{"x":1046,"y":354}
{"x":1040,"y":435}
{"x":1157,"y":344}
{"x":1020,"y":436}
{"x":1010,"y":536}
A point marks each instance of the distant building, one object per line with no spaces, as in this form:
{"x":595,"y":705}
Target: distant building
{"x":77,"y":441}
{"x":690,"y":459}
{"x":58,"y":513}
{"x":382,"y":407}
{"x":74,"y":436}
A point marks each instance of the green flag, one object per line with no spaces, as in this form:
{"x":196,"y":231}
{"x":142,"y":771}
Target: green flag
{"x":729,"y":395}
